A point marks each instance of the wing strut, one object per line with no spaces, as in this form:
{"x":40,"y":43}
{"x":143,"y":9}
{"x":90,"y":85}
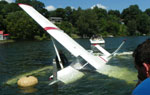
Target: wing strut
{"x":115,"y":52}
{"x":57,"y":53}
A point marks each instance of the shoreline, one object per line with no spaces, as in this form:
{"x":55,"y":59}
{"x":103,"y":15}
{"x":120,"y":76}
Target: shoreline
{"x":6,"y":41}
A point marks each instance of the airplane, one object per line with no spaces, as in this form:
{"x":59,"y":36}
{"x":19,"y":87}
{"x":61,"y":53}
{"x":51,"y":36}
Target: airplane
{"x":83,"y":57}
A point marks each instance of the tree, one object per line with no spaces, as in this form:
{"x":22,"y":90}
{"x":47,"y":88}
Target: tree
{"x":123,"y":30}
{"x":39,"y":6}
{"x":81,"y":22}
{"x":87,"y":23}
{"x":1,"y":22}
{"x":113,"y":25}
{"x":132,"y":27}
{"x":102,"y":25}
{"x":130,"y":17}
{"x":75,"y":16}
{"x":68,"y":12}
{"x":147,"y":11}
{"x":2,"y":5}
{"x":114,"y":13}
{"x":143,"y":23}
{"x":8,"y":8}
{"x":60,"y":12}
{"x":101,"y":13}
{"x":131,"y":13}
{"x":21,"y":26}
{"x":24,"y":1}
{"x":67,"y":27}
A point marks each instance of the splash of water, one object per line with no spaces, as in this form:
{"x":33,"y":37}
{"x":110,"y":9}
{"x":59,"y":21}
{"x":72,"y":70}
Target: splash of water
{"x":125,"y":53}
{"x":121,"y":73}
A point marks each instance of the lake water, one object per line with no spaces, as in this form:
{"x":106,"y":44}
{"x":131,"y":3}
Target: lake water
{"x":27,"y":57}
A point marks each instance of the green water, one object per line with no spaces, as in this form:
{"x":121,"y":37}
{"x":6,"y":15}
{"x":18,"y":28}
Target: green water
{"x":35,"y":58}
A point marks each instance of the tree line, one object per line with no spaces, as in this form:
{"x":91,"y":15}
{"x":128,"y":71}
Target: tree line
{"x":132,"y":21}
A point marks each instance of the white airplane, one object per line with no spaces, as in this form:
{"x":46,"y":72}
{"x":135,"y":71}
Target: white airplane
{"x":72,"y":72}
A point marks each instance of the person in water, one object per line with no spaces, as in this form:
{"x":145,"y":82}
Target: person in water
{"x":63,"y":58}
{"x":141,"y":57}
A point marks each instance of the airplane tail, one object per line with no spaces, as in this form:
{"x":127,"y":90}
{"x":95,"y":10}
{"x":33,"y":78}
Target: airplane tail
{"x":106,"y":55}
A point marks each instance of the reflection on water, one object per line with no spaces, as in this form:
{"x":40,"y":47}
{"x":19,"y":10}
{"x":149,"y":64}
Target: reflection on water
{"x":55,"y":89}
{"x":28,"y":90}
{"x":117,"y":78}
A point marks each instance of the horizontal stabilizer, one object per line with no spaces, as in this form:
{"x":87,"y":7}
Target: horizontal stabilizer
{"x":106,"y":53}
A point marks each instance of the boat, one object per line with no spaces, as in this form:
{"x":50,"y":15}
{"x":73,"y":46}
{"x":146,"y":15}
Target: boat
{"x":97,"y":40}
{"x":83,"y":58}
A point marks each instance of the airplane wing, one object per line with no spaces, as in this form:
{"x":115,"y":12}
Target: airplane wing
{"x":72,"y":46}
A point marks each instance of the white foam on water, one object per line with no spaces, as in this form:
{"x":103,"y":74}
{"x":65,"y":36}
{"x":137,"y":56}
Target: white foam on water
{"x":125,"y":53}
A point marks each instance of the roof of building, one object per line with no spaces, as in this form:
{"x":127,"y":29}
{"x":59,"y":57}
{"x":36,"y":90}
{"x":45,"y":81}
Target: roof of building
{"x":56,"y":18}
{"x":1,"y":32}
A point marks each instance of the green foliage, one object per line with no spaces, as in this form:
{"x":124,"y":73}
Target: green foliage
{"x":87,"y":23}
{"x":76,"y":22}
{"x":9,"y":8}
{"x":60,"y":12}
{"x":131,"y":13}
{"x":114,"y":13}
{"x":1,"y":22}
{"x":132,"y":27}
{"x":23,"y":28}
{"x":68,"y":27}
{"x":24,"y":1}
{"x":68,"y":13}
{"x":123,"y":30}
{"x":147,"y":11}
{"x":101,"y":13}
{"x":2,"y":5}
{"x":136,"y":21}
{"x":143,"y":23}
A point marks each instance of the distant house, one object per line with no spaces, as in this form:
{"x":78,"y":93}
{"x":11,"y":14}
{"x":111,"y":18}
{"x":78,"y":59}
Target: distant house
{"x":122,"y":21}
{"x":3,"y":36}
{"x":55,"y":19}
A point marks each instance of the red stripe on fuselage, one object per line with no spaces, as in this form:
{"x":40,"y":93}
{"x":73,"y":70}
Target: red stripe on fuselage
{"x":102,"y":58}
{"x":51,"y":28}
{"x":94,"y":44}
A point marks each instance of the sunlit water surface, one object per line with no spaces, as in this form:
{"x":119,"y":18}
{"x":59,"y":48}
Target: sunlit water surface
{"x":27,"y":57}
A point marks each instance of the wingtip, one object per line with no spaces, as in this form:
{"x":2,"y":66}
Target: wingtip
{"x":23,"y":4}
{"x":20,"y":4}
